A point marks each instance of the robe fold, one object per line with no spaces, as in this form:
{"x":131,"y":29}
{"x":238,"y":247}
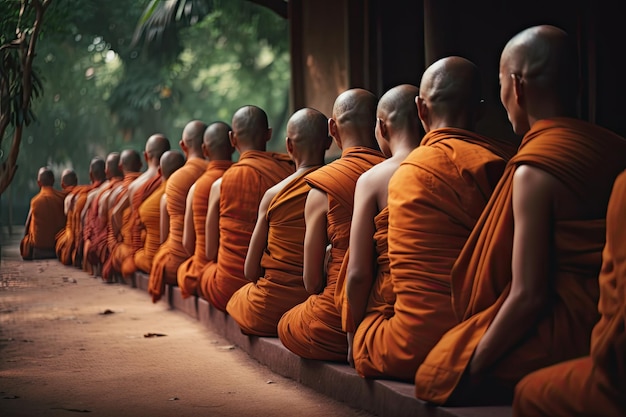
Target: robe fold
{"x":593,"y":385}
{"x":150,"y":216}
{"x":587,"y":159}
{"x":189,"y":272}
{"x":79,"y":204}
{"x":435,"y":198}
{"x":96,"y":224}
{"x":64,"y":241}
{"x":312,"y":329}
{"x":257,"y":307}
{"x":242,"y":189}
{"x":47,"y":218}
{"x":118,"y":244}
{"x":137,"y":231}
{"x":172,"y":253}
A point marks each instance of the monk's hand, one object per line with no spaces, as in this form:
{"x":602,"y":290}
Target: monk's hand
{"x":327,"y":258}
{"x":350,"y":337}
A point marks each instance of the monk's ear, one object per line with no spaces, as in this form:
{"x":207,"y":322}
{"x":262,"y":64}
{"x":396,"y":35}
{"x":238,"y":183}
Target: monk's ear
{"x":518,"y":88}
{"x":334,"y":131}
{"x":423,"y":112}
{"x":382,"y":126}
{"x":289,"y":145}
{"x":232,"y":138}
{"x":205,"y":151}
{"x":269,"y":134}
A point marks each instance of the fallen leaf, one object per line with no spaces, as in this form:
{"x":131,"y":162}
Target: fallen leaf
{"x":75,"y":410}
{"x":174,"y":399}
{"x":269,"y":381}
{"x":154,"y":335}
{"x":228,"y":347}
{"x":107,"y":311}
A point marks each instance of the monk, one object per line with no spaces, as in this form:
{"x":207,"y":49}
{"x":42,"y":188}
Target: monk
{"x":63,"y":241}
{"x":366,"y":265}
{"x":138,"y":191}
{"x":45,"y":219}
{"x":150,"y":215}
{"x":595,"y":384}
{"x":96,"y":217}
{"x":313,"y":328}
{"x":526,"y":283}
{"x":274,"y":260}
{"x":234,"y":203}
{"x":217,"y":148}
{"x":172,"y":253}
{"x":118,"y":232}
{"x":97,"y":176}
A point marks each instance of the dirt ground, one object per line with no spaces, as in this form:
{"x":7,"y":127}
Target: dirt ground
{"x":71,"y":344}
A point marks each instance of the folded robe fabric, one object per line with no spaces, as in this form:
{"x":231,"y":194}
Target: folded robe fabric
{"x":80,"y":228}
{"x":172,"y":253}
{"x":189,"y":272}
{"x":587,"y":159}
{"x":435,"y":198}
{"x":595,"y":384}
{"x":150,"y":216}
{"x":97,"y":224}
{"x":242,"y":189}
{"x":137,"y":231}
{"x":47,"y":218}
{"x":257,"y":307}
{"x":312,"y":329}
{"x":64,"y":241}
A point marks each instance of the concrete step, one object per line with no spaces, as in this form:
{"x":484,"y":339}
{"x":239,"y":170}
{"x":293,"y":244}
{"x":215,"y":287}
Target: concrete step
{"x":341,"y":382}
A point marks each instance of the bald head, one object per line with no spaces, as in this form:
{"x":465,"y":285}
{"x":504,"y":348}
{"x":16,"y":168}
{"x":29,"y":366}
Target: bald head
{"x":45,"y":177}
{"x":192,"y":137}
{"x":156,"y":145}
{"x":397,"y":106}
{"x":544,"y":57}
{"x":170,"y":162}
{"x":250,"y":128}
{"x":216,"y":144}
{"x":307,"y":129}
{"x":97,"y":169}
{"x":68,"y":178}
{"x":112,"y":166}
{"x":130,"y":161}
{"x":354,"y":119}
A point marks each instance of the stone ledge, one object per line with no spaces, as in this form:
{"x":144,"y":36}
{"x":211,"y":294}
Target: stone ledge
{"x":341,"y":382}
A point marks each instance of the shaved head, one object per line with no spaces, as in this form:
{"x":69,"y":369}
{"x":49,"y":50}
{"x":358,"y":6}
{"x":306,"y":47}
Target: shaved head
{"x":356,"y":107}
{"x":251,"y":128}
{"x":45,"y":177}
{"x":97,"y":170}
{"x":216,"y":142}
{"x":170,"y":162}
{"x":308,"y":129}
{"x":451,"y":86}
{"x":156,"y":145}
{"x":192,"y":135}
{"x":130,"y":161}
{"x":397,"y":106}
{"x":68,"y":178}
{"x":112,"y":167}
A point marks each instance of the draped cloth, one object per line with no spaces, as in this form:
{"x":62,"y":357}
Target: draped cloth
{"x":257,"y":307}
{"x":312,"y":329}
{"x":586,"y":159}
{"x":189,"y":272}
{"x":172,"y":253}
{"x":137,"y":230}
{"x":64,"y":240}
{"x":47,"y":218}
{"x":435,"y":198}
{"x":242,"y":189}
{"x":149,"y":215}
{"x":96,"y":224}
{"x":80,"y":200}
{"x":594,"y":384}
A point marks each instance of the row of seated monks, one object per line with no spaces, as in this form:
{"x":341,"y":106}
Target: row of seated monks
{"x":483,"y":271}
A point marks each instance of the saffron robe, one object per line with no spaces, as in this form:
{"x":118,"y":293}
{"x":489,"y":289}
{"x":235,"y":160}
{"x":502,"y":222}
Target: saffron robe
{"x":47,"y":217}
{"x":172,"y":253}
{"x":435,"y":198}
{"x":257,"y":307}
{"x":593,"y":385}
{"x":312,"y":329}
{"x":80,"y":199}
{"x":150,"y":215}
{"x":189,"y":272}
{"x":137,"y":230}
{"x":587,"y":159}
{"x":64,"y":241}
{"x":97,"y":219}
{"x":242,"y":189}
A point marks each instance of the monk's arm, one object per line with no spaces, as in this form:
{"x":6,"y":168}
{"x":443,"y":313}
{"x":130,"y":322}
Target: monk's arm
{"x":315,"y":240}
{"x":533,"y":192}
{"x":117,"y":214}
{"x":28,"y":220}
{"x":258,"y":242}
{"x":189,"y":233}
{"x":212,"y":225}
{"x":164,"y":219}
{"x":361,"y":262}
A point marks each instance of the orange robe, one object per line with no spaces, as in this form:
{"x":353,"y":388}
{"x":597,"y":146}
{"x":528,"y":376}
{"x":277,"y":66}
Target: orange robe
{"x":435,"y":198}
{"x":313,"y":328}
{"x":587,"y":159}
{"x":137,"y":231}
{"x":96,"y":243}
{"x":80,"y":199}
{"x":257,"y":307}
{"x":47,"y":217}
{"x":242,"y":189}
{"x":64,"y":240}
{"x":118,"y":245}
{"x":150,"y":214}
{"x":189,"y":272}
{"x":593,"y":385}
{"x":172,"y":253}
